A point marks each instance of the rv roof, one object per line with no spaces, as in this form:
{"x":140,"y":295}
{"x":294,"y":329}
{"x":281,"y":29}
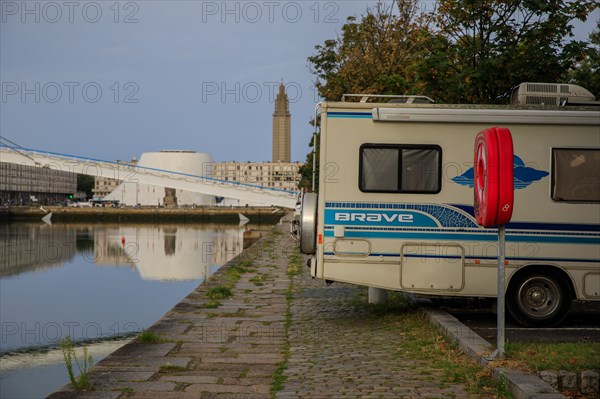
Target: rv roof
{"x":393,"y":99}
{"x":370,"y":105}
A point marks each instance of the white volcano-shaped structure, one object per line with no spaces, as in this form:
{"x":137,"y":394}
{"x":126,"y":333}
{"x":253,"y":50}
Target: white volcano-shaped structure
{"x":133,"y":193}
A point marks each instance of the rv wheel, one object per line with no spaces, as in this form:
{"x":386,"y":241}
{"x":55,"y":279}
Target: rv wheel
{"x":538,"y":300}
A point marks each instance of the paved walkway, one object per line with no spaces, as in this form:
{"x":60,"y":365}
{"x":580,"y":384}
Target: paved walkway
{"x":339,"y":350}
{"x":274,"y":328}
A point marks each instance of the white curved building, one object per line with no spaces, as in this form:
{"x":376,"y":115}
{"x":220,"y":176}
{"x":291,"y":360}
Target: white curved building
{"x":191,"y":162}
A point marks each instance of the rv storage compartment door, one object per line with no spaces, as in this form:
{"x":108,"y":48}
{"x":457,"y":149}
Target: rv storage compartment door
{"x":350,"y":247}
{"x":591,"y":285}
{"x":426,"y":266}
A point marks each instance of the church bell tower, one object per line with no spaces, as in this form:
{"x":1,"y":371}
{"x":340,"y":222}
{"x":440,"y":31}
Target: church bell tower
{"x":281,"y":127}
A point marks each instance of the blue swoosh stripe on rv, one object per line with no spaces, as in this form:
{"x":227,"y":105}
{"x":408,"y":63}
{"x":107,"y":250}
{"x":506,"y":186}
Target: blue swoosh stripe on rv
{"x":467,"y":211}
{"x":509,"y":258}
{"x":481,"y":231}
{"x":349,"y":115}
{"x":548,"y":239}
{"x":538,"y":225}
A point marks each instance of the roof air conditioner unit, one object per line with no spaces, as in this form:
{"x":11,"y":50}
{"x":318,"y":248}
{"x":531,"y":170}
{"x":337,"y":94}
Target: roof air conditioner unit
{"x":529,"y":93}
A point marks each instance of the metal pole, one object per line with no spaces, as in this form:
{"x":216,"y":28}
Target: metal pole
{"x":501,"y":308}
{"x":314,"y":171}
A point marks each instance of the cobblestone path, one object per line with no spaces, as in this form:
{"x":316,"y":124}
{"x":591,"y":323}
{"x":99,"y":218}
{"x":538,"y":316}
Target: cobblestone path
{"x":295,"y":334}
{"x":339,"y":350}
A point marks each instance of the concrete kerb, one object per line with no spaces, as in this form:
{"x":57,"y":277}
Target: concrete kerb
{"x":521,"y":385}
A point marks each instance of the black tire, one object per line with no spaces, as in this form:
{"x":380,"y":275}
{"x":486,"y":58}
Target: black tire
{"x":538,"y":299}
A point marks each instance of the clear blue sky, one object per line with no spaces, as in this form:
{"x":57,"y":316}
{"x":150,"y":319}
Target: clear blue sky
{"x":112,"y":80}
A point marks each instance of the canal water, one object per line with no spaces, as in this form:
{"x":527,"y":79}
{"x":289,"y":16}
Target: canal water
{"x":98,"y":284}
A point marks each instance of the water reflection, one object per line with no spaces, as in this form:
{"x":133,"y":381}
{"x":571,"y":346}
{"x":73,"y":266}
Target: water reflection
{"x":34,"y":247}
{"x":167,"y":252}
{"x":157,"y":252}
{"x":93,"y":282}
{"x":103,"y":280}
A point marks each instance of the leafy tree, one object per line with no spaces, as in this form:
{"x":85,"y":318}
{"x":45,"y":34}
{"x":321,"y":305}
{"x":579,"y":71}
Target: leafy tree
{"x":587,"y":73}
{"x":85,"y":183}
{"x":469,"y":51}
{"x":483,"y":48}
{"x":306,"y":170}
{"x":374,"y":55}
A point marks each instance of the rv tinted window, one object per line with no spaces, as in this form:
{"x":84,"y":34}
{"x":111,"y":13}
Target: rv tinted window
{"x":380,"y":169}
{"x":400,"y":168}
{"x":576,"y":174}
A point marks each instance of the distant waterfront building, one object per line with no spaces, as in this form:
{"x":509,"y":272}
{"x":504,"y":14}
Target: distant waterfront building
{"x":23,"y":184}
{"x":106,"y":185}
{"x":183,"y":161}
{"x":280,"y":175}
{"x":282,"y":127}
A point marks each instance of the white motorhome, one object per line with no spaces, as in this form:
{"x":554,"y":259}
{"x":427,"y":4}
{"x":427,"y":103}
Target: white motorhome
{"x":394,"y":208}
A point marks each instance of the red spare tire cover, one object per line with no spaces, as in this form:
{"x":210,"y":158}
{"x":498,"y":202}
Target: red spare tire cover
{"x":493,"y":175}
{"x":506,"y":180}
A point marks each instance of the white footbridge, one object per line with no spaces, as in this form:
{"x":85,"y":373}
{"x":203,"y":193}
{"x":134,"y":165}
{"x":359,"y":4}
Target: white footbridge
{"x":158,"y":177}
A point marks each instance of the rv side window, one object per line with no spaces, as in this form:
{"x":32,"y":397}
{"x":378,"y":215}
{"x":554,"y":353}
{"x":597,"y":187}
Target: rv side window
{"x":392,"y":168}
{"x":576,"y":174}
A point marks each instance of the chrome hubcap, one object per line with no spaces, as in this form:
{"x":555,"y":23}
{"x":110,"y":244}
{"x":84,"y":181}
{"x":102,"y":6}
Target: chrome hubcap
{"x":539,"y":297}
{"x":536,"y":296}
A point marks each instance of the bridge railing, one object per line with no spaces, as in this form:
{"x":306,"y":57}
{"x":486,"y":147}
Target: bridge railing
{"x":153,"y":171}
